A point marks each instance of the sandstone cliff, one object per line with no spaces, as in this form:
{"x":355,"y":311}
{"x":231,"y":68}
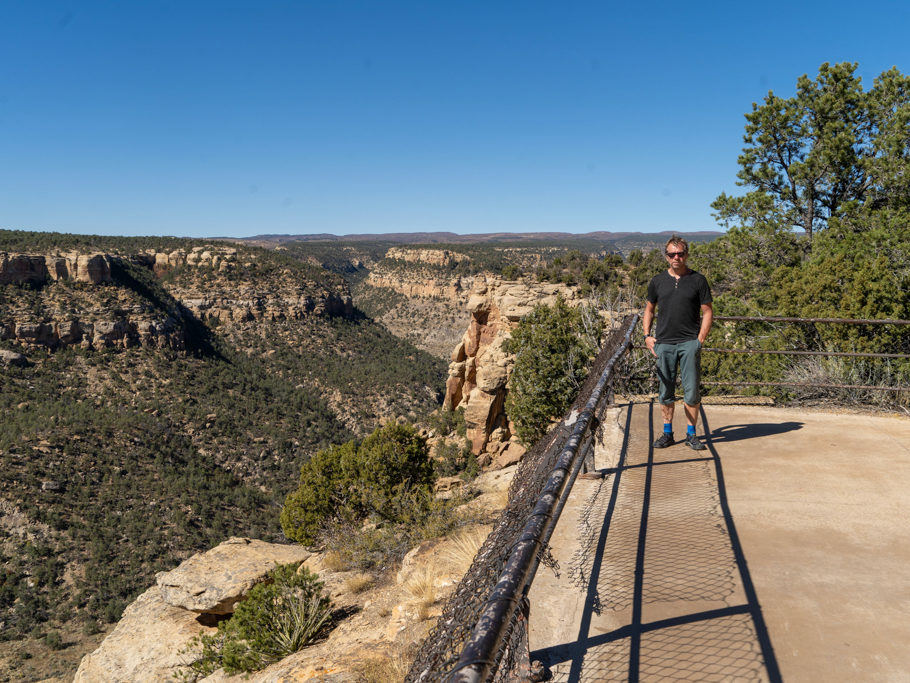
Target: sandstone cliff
{"x":480,"y":368}
{"x":434,"y":257}
{"x":416,"y":296}
{"x":36,"y":269}
{"x":56,"y":310}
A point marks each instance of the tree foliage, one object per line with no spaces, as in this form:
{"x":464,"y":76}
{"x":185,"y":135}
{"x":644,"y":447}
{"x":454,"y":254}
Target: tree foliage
{"x":389,"y":475}
{"x":824,"y":153}
{"x":833,"y":161}
{"x":553,"y":346}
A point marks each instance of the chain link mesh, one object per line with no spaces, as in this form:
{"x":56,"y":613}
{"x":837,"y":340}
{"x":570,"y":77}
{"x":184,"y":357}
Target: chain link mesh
{"x":439,"y":652}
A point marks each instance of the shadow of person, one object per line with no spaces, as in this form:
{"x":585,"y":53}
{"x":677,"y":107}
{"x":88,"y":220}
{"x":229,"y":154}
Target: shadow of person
{"x":752,"y":431}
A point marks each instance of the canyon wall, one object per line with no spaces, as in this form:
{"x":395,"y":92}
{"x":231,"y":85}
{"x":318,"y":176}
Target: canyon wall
{"x":55,"y":310}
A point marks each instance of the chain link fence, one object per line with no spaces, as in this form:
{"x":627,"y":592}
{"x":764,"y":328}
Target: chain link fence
{"x":490,"y":601}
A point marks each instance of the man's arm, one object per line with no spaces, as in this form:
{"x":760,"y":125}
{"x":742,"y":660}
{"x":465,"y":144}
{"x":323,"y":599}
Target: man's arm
{"x":707,"y":317}
{"x":646,"y":321}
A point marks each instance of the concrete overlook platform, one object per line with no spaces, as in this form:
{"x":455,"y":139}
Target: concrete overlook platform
{"x":780,"y":553}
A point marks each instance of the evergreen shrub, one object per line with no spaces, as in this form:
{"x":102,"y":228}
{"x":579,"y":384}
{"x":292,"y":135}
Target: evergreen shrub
{"x":553,"y":346}
{"x":389,"y":476}
{"x":278,"y":617}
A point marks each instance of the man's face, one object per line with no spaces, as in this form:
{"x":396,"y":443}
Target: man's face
{"x":676,"y":256}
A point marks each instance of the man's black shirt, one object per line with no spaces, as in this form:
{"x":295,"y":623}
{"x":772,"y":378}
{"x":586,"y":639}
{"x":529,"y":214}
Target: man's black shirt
{"x":679,"y":305}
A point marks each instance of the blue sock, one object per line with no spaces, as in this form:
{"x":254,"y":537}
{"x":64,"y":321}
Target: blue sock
{"x":668,"y":427}
{"x":690,"y":429}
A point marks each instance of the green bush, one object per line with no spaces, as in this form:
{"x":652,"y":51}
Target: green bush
{"x":393,"y":468}
{"x":553,"y":346}
{"x":389,"y":475}
{"x":278,"y":617}
{"x":325,"y":482}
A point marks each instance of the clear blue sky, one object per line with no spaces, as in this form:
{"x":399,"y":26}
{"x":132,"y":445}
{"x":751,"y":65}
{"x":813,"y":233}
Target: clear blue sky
{"x":239,"y":118}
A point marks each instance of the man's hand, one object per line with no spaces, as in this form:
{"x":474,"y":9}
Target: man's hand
{"x":650,"y":343}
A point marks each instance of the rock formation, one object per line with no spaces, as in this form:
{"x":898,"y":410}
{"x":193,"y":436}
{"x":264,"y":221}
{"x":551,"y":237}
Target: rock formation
{"x":146,"y":644}
{"x":37,"y":269}
{"x":150,"y":641}
{"x":433,"y":257}
{"x":123,"y":332}
{"x":480,"y":368}
{"x":211,"y":583}
{"x":70,"y":317}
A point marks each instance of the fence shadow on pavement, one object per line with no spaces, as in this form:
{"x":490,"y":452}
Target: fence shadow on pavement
{"x":667,"y":590}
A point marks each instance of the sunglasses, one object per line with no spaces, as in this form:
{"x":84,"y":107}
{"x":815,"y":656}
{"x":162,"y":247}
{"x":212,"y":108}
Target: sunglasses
{"x":676,"y":254}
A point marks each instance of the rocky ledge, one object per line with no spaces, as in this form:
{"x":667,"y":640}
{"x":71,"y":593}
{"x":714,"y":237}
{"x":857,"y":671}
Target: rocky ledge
{"x":36,"y":269}
{"x":372,"y":624}
{"x":123,"y":332}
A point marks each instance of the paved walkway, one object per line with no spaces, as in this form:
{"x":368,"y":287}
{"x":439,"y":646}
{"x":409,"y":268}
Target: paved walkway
{"x":781,"y":553}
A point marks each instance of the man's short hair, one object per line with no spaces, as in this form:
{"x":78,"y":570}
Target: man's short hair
{"x":679,"y":242}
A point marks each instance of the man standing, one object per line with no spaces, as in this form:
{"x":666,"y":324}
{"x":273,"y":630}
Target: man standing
{"x":683,"y":299}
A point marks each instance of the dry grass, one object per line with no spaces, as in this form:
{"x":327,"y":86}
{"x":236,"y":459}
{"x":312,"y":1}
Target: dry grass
{"x":390,"y":667}
{"x":421,"y":586}
{"x":358,"y":583}
{"x":462,"y":549}
{"x":334,"y":562}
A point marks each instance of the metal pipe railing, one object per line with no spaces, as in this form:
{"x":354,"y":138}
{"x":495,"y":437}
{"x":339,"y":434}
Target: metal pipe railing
{"x":478,"y":657}
{"x":795,"y":352}
{"x":778,"y":319}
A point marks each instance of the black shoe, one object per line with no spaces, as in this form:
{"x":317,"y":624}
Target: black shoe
{"x":664,"y":440}
{"x":693,"y":443}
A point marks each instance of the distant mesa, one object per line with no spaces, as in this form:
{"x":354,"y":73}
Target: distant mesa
{"x":486,"y":237}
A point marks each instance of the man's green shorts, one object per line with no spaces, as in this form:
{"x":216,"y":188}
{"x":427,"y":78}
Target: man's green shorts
{"x":687,"y":355}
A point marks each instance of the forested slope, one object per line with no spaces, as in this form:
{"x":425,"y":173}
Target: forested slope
{"x":119,"y":457}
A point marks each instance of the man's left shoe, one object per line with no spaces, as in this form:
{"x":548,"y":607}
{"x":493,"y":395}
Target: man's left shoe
{"x":693,"y":443}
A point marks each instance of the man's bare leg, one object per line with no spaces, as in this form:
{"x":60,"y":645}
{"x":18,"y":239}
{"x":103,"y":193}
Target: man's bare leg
{"x":692,"y":419}
{"x":667,"y":412}
{"x":691,"y":413}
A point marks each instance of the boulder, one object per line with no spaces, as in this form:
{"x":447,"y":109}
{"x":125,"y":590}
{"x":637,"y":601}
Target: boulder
{"x":510,"y":455}
{"x":69,"y":332}
{"x":459,"y":355}
{"x":145,"y":645}
{"x":481,"y":409}
{"x":212,"y":582}
{"x":445,"y":487}
{"x":12,"y":358}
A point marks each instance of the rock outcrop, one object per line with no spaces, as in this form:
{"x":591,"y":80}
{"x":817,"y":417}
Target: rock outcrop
{"x":433,"y":257}
{"x":69,"y":316}
{"x":246,"y":305}
{"x":214,"y":581}
{"x":123,"y":332}
{"x":147,"y":642}
{"x":480,"y":368}
{"x":36,"y":269}
{"x":12,"y":358}
{"x":150,"y":642}
{"x":414,"y":282}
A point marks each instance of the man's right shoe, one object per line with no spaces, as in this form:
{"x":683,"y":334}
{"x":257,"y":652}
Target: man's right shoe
{"x":664,"y":440}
